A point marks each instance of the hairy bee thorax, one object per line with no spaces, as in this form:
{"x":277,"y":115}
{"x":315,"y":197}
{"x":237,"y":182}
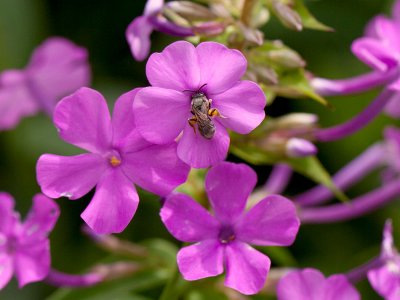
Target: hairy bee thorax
{"x":202,"y":115}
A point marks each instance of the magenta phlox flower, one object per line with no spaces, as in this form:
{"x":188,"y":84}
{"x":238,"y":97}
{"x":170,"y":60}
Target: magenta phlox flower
{"x":386,"y":279}
{"x":380,"y":49}
{"x":56,"y":69}
{"x":139,"y":30}
{"x":223,"y":239}
{"x":118,"y":156}
{"x":25,"y":247}
{"x":197,"y":90}
{"x":310,"y":284}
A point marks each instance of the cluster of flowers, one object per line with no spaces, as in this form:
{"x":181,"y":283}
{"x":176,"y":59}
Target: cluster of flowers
{"x":156,"y":134}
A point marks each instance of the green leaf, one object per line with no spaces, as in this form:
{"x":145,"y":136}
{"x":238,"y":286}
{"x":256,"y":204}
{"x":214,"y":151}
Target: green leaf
{"x":313,"y":169}
{"x":205,"y":294}
{"x":295,"y":83}
{"x":309,"y":21}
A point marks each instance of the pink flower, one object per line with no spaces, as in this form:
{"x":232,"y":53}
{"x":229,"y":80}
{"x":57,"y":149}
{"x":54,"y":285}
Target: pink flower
{"x":56,"y":69}
{"x":223,"y":240}
{"x":310,"y":284}
{"x":181,"y":73}
{"x":380,"y":49}
{"x":118,"y":157}
{"x":139,"y":30}
{"x":386,"y":278}
{"x":24,"y":247}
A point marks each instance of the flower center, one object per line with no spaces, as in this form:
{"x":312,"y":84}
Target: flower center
{"x":114,"y":159}
{"x":226,"y":235}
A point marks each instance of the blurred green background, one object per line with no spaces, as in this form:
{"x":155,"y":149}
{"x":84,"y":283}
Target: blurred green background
{"x":100,"y":26}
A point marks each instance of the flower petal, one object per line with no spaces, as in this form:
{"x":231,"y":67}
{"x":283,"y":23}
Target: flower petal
{"x":32,"y":263}
{"x":57,"y":68}
{"x":41,"y":219}
{"x":246,"y":268}
{"x":201,"y":260}
{"x":160,"y":114}
{"x":83,"y":120}
{"x":242,"y":106}
{"x":228,"y":185}
{"x":272,"y":222}
{"x":385,"y":282}
{"x":153,"y":6}
{"x":6,"y":270}
{"x":138,"y":36}
{"x":125,"y":135}
{"x":199,"y":152}
{"x":301,"y":285}
{"x":7,"y":214}
{"x":374,"y":53}
{"x":176,"y":67}
{"x":72,"y":177}
{"x":16,"y":101}
{"x":337,"y":287}
{"x":221,"y":68}
{"x":113,"y":205}
{"x":187,"y":220}
{"x":392,"y":108}
{"x":156,"y":168}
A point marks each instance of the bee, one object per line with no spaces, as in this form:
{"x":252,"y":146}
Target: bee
{"x":202,"y":113}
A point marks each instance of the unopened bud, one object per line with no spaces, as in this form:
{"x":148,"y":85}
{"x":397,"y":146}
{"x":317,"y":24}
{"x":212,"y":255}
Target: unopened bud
{"x":297,"y":120}
{"x":252,"y":35}
{"x":287,"y":15}
{"x":286,"y":58}
{"x":191,"y":11}
{"x":209,"y":28}
{"x":296,"y":147}
{"x":265,"y":74}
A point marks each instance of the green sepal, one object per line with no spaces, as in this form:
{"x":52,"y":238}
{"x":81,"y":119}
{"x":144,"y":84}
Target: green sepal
{"x":309,"y":21}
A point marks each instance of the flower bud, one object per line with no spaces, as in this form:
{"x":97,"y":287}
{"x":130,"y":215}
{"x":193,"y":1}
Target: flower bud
{"x":286,"y":58}
{"x":296,"y":147}
{"x":209,"y":28}
{"x":287,"y":15}
{"x":191,"y":11}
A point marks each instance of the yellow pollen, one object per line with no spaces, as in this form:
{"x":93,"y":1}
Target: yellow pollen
{"x":115,"y":162}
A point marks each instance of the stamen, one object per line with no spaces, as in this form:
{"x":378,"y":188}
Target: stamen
{"x":114,"y":161}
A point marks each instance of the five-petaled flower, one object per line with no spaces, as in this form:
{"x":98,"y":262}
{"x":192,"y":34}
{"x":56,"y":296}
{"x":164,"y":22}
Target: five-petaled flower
{"x":385,"y":279}
{"x":24,"y":247}
{"x":118,"y":157}
{"x":223,"y":239}
{"x":178,"y":75}
{"x":380,"y":49}
{"x":57,"y":68}
{"x":310,"y":284}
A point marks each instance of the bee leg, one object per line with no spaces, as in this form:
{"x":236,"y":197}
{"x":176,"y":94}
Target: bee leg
{"x":192,"y":121}
{"x":213,"y":112}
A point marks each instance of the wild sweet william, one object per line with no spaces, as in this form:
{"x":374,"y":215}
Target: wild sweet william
{"x":168,"y":110}
{"x":56,"y":69}
{"x":118,"y":157}
{"x":310,"y":284}
{"x":24,"y":247}
{"x":223,"y":239}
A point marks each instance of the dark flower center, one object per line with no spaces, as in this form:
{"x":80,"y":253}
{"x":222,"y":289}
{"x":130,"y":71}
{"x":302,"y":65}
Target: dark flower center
{"x":226,"y":234}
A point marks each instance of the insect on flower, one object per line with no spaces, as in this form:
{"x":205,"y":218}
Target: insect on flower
{"x":202,"y":113}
